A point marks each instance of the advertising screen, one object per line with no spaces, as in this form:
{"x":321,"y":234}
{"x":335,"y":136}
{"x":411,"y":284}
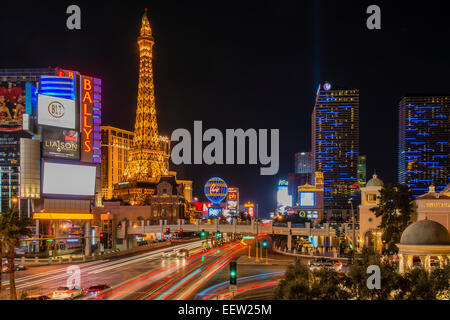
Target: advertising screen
{"x":12,"y":106}
{"x":312,"y":214}
{"x":202,"y":206}
{"x":68,"y":179}
{"x":56,"y":112}
{"x":231,"y":205}
{"x":10,"y":148}
{"x":214,"y":212}
{"x":307,"y":199}
{"x":60,"y":143}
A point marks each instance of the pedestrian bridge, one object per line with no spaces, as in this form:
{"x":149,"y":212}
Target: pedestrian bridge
{"x":289,"y":229}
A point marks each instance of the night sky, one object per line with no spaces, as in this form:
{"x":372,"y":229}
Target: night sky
{"x":253,"y":65}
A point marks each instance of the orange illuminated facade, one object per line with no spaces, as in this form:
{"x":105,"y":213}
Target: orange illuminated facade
{"x":115,"y":146}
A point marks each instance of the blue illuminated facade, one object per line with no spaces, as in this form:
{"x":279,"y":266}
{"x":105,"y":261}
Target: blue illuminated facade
{"x":335,"y":143}
{"x":62,"y":87}
{"x":423,"y":157}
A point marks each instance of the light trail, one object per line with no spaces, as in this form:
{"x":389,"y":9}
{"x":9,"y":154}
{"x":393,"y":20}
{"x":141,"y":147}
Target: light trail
{"x":198,"y":284}
{"x":207,"y":292}
{"x":213,"y":253}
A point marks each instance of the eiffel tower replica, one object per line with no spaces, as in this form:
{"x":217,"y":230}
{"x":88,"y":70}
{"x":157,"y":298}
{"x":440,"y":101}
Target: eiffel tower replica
{"x":148,"y":159}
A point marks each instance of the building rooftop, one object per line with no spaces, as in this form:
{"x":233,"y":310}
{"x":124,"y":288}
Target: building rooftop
{"x":375,"y":182}
{"x":425,"y":232}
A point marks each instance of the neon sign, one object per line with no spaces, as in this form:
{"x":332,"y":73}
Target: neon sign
{"x":90,"y":112}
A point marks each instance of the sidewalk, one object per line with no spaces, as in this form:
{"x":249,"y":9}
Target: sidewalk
{"x":326,"y":255}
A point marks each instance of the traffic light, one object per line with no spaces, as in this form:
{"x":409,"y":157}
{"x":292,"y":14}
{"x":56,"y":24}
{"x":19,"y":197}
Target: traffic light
{"x":233,"y":273}
{"x":104,"y":239}
{"x":181,"y":230}
{"x":218,"y":234}
{"x":167,"y":230}
{"x":264,"y":243}
{"x":202,"y":233}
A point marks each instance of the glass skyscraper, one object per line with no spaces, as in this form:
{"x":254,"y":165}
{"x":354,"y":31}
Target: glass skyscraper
{"x":335,"y":143}
{"x":303,"y":162}
{"x":423,"y":142}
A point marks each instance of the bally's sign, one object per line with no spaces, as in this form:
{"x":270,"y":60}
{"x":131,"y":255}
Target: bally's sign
{"x":56,"y":112}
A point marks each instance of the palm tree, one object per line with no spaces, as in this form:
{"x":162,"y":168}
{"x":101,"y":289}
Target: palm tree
{"x":396,"y":210}
{"x":12,"y":229}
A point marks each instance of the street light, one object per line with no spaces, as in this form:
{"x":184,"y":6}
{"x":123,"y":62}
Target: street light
{"x":350,"y":201}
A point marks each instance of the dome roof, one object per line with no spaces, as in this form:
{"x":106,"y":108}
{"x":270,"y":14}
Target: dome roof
{"x":425,"y":232}
{"x":374,"y":182}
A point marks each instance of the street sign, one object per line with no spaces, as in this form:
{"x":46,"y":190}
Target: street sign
{"x":248,"y":237}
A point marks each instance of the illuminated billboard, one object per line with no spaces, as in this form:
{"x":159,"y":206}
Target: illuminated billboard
{"x":12,"y":106}
{"x":56,"y":112}
{"x":202,"y":206}
{"x":63,"y":179}
{"x":233,"y":201}
{"x":214,"y":212}
{"x":90,"y":119}
{"x":283,"y":197}
{"x":307,"y":199}
{"x":312,"y":214}
{"x":60,"y":143}
{"x":250,"y":208}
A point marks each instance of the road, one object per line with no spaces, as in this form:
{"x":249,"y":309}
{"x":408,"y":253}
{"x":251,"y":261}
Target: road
{"x":113,"y":272}
{"x":201,"y":276}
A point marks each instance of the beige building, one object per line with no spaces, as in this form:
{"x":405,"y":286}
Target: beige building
{"x":424,"y":243}
{"x":434,"y":206}
{"x":115,"y":146}
{"x":369,"y":232}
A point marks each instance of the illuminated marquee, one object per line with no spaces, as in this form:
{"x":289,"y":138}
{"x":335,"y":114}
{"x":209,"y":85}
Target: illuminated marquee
{"x":90,"y":113}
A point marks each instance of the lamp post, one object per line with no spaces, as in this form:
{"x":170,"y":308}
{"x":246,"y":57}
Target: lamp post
{"x":350,"y":201}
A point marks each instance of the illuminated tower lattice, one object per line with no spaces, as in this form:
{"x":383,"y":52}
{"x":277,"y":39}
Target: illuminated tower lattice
{"x":147,"y":161}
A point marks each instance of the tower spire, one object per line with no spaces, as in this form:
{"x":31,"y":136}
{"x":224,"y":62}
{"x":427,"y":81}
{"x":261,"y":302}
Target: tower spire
{"x":147,"y":162}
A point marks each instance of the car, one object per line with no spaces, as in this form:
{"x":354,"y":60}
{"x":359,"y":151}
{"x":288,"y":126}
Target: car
{"x":95,"y":291}
{"x":169,"y":254}
{"x":322,"y":263}
{"x":183,"y":253}
{"x":65,"y":293}
{"x":20,"y":267}
{"x":38,"y":297}
{"x":434,"y":261}
{"x":17,"y":267}
{"x":337,"y":265}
